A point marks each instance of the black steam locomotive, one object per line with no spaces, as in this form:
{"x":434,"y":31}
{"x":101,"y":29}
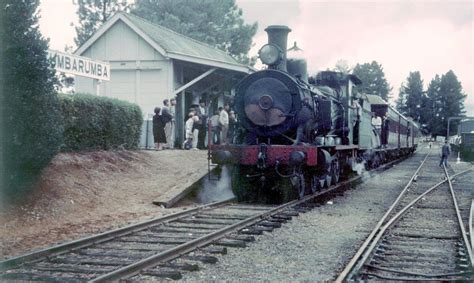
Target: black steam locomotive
{"x":296,"y":137}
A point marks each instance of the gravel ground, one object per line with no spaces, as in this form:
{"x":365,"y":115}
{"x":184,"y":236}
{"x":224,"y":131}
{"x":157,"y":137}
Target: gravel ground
{"x":316,"y":245}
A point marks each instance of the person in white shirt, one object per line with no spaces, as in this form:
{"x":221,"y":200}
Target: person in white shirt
{"x":195,"y":131}
{"x":216,"y":129}
{"x":224,"y":123}
{"x":376,"y":121}
{"x":189,"y":131}
{"x":172,"y":124}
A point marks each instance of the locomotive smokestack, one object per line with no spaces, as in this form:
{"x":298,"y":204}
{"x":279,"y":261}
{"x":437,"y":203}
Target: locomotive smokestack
{"x":278,"y":35}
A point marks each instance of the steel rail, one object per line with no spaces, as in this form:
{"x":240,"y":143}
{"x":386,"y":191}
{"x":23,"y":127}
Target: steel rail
{"x":460,"y":222}
{"x":392,"y":220}
{"x":409,"y":279}
{"x":102,"y":237}
{"x":134,"y":268}
{"x":344,"y":274}
{"x":462,"y":273}
{"x":471,"y":216}
{"x":365,"y":250}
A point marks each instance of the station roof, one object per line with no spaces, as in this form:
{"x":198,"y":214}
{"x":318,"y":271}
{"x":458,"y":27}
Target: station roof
{"x":375,"y":100}
{"x":171,"y":44}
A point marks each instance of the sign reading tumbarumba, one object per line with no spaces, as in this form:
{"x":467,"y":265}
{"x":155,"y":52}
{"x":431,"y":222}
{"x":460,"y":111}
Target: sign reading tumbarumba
{"x":78,"y":65}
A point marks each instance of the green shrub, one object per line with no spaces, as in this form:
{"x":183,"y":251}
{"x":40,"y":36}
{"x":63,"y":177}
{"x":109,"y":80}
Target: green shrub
{"x":95,"y":122}
{"x":30,"y":122}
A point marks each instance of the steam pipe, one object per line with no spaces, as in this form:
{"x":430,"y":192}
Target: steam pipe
{"x":278,"y":35}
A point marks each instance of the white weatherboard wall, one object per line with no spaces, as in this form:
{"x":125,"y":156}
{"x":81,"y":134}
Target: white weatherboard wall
{"x":139,"y":74}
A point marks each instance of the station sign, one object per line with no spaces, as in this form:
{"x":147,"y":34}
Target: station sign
{"x":78,"y":65}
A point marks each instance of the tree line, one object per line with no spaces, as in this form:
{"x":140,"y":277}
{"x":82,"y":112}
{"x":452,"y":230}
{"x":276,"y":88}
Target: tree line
{"x":430,"y":107}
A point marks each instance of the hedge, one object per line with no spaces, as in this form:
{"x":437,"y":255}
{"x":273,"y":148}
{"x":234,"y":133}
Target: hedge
{"x":99,"y":123}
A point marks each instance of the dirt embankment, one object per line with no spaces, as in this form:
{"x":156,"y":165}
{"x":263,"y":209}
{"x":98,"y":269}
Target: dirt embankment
{"x":84,"y":193}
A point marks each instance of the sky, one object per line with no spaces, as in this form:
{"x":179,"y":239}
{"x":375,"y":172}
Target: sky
{"x":432,"y":37}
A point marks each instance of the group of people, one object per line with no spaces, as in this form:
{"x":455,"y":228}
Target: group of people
{"x":164,"y":125}
{"x":223,"y":125}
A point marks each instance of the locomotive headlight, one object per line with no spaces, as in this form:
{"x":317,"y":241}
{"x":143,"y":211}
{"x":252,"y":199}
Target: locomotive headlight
{"x":270,"y":54}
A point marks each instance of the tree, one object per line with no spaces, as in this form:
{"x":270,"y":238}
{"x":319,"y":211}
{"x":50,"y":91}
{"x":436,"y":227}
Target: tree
{"x":342,"y":66}
{"x":373,"y":79}
{"x":446,"y":99}
{"x":30,"y":120}
{"x":452,"y":99}
{"x":400,"y":104}
{"x":92,"y":14}
{"x":434,"y":106}
{"x":414,"y":95}
{"x":218,"y":23}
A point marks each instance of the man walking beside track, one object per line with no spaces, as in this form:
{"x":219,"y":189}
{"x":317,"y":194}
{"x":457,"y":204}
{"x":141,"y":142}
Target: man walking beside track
{"x":445,"y":151}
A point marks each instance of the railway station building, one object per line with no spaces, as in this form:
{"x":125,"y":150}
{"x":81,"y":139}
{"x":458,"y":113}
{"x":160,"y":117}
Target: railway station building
{"x":149,"y":63}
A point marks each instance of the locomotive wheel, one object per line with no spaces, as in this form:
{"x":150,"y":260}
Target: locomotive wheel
{"x":329,"y":179}
{"x":315,"y":186}
{"x":322,"y":182}
{"x":299,"y":185}
{"x":335,"y":171}
{"x":375,"y":161}
{"x":288,"y":190}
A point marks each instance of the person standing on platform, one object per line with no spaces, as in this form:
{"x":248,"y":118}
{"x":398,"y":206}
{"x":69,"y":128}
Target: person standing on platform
{"x":224,"y":124}
{"x":216,"y":129}
{"x":232,"y":126}
{"x":158,"y":130}
{"x":172,"y":124}
{"x":196,"y":126}
{"x":203,"y":115}
{"x":189,"y":131}
{"x":445,"y":151}
{"x":167,"y":118}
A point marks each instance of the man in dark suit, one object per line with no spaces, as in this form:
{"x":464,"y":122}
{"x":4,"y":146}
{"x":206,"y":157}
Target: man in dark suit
{"x":201,"y":112}
{"x":445,"y":151}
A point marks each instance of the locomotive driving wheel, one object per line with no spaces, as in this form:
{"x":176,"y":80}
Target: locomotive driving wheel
{"x":335,"y":171}
{"x":315,"y":186}
{"x":298,"y":184}
{"x":376,"y":160}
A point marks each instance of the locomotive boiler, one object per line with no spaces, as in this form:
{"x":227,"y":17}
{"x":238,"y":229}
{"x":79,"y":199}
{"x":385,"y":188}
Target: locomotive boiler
{"x":296,"y":137}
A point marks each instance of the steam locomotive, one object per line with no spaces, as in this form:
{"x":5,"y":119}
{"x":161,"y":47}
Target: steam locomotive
{"x":296,"y":137}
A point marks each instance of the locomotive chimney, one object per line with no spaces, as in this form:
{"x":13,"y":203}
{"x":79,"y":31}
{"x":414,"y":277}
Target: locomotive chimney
{"x":278,"y":35}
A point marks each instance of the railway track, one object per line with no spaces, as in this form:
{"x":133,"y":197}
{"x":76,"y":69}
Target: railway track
{"x":423,"y":236}
{"x":160,"y":248}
